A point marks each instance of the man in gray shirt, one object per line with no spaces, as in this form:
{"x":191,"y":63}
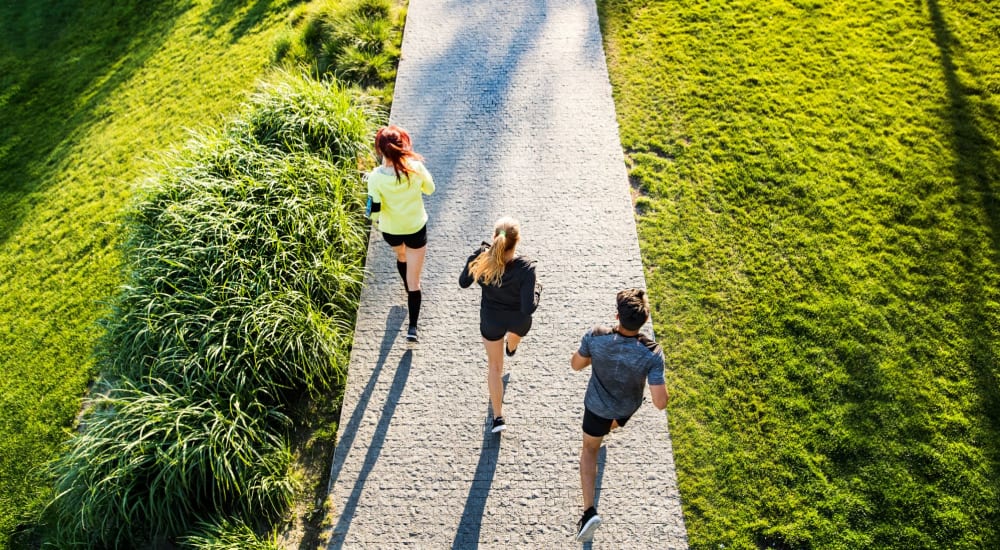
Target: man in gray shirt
{"x":622,"y":361}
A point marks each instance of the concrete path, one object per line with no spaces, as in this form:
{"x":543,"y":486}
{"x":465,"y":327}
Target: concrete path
{"x":509,"y":101}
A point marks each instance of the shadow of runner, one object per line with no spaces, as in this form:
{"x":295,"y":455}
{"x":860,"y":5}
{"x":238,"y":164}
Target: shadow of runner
{"x":471,"y":524}
{"x":393,"y":322}
{"x":467,"y":535}
{"x":374,"y":449}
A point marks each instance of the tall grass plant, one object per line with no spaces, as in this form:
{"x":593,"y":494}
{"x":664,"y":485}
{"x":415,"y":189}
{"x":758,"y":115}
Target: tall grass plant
{"x":243,"y":268}
{"x":355,"y":41}
{"x":90,"y":94}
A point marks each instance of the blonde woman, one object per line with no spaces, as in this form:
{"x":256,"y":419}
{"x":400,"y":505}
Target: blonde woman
{"x":509,"y":298}
{"x":395,"y":199}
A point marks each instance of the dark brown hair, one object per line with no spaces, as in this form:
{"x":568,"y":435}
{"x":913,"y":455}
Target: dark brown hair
{"x":633,"y":310}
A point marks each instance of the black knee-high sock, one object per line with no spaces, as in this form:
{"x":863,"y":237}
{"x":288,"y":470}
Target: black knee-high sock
{"x":413,"y":302}
{"x":401,"y":268}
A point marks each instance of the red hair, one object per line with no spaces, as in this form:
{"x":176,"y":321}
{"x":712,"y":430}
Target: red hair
{"x":393,"y":143}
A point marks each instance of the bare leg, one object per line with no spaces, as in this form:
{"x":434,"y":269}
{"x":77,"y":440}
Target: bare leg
{"x":400,"y":252}
{"x":494,"y":378}
{"x":588,"y":468}
{"x":414,"y":266}
{"x":512,"y":341}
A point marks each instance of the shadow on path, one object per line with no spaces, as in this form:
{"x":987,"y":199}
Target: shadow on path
{"x":471,"y":524}
{"x":482,"y":78}
{"x":374,"y":449}
{"x":467,"y":535}
{"x":393,"y":323}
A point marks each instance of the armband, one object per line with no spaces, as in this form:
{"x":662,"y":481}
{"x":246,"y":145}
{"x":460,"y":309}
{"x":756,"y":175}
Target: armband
{"x":372,"y":207}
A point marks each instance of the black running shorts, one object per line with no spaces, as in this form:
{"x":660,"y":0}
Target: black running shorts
{"x":596,"y":426}
{"x":413,"y":240}
{"x":495,"y":325}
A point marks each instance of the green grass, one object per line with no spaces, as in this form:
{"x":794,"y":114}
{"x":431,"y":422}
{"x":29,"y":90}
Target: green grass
{"x":243,"y":270}
{"x":151,"y":462}
{"x":816,"y":184}
{"x":91,"y":94}
{"x":226,"y":535}
{"x":355,"y":41}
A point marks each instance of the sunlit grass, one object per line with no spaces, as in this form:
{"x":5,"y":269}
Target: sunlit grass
{"x":243,"y":269}
{"x":226,"y":535}
{"x":356,"y":41}
{"x":91,"y":95}
{"x":817,"y":189}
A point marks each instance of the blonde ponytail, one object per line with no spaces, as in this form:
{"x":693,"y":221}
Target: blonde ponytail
{"x":489,"y":266}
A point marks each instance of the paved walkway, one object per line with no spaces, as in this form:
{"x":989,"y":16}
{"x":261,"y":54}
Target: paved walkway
{"x":510,"y":103}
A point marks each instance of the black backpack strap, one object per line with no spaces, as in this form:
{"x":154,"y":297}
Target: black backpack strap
{"x":601,"y":331}
{"x":652,"y":346}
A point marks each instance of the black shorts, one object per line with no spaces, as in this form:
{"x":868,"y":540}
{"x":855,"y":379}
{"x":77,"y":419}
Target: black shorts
{"x":494,"y":326}
{"x":596,"y":426}
{"x":413,"y":240}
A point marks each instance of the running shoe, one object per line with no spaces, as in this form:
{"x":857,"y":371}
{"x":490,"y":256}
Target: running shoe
{"x":499,"y":425}
{"x":508,"y":351}
{"x":587,"y":525}
{"x":411,"y":335}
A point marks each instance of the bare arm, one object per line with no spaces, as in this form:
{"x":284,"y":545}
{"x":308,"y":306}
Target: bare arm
{"x":579,"y":362}
{"x":659,"y":395}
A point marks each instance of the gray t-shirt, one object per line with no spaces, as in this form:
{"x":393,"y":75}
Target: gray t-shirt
{"x":620,"y":367}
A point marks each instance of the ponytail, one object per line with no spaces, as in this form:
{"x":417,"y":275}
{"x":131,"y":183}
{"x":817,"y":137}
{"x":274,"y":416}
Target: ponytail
{"x":488,"y":267}
{"x":393,"y":143}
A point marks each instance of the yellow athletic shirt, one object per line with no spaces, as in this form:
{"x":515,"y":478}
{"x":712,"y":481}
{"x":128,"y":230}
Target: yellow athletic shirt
{"x":402,"y":211}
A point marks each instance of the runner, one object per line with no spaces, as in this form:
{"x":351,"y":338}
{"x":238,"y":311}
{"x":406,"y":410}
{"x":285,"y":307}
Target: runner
{"x":622,"y":361}
{"x":395,"y":199}
{"x":509,"y":298}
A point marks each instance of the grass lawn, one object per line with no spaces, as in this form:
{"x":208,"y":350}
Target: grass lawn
{"x":817,"y":188}
{"x":90,"y":94}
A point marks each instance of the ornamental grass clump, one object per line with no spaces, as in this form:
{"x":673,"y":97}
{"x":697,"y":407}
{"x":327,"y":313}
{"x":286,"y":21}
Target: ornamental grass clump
{"x":244,"y":265}
{"x":292,"y":113}
{"x":245,"y":283}
{"x":355,"y":41}
{"x":151,"y":460}
{"x":227,"y":535}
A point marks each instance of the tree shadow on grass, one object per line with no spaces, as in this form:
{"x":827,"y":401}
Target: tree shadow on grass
{"x":911,"y":422}
{"x":976,"y":172}
{"x":61,"y":62}
{"x":225,"y":11}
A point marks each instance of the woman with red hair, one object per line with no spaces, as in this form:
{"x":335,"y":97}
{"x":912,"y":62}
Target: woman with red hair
{"x":395,"y":200}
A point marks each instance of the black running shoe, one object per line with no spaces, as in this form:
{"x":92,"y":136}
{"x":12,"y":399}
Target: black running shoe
{"x":508,"y":351}
{"x":587,"y":525}
{"x":499,"y":425}
{"x":411,"y":335}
